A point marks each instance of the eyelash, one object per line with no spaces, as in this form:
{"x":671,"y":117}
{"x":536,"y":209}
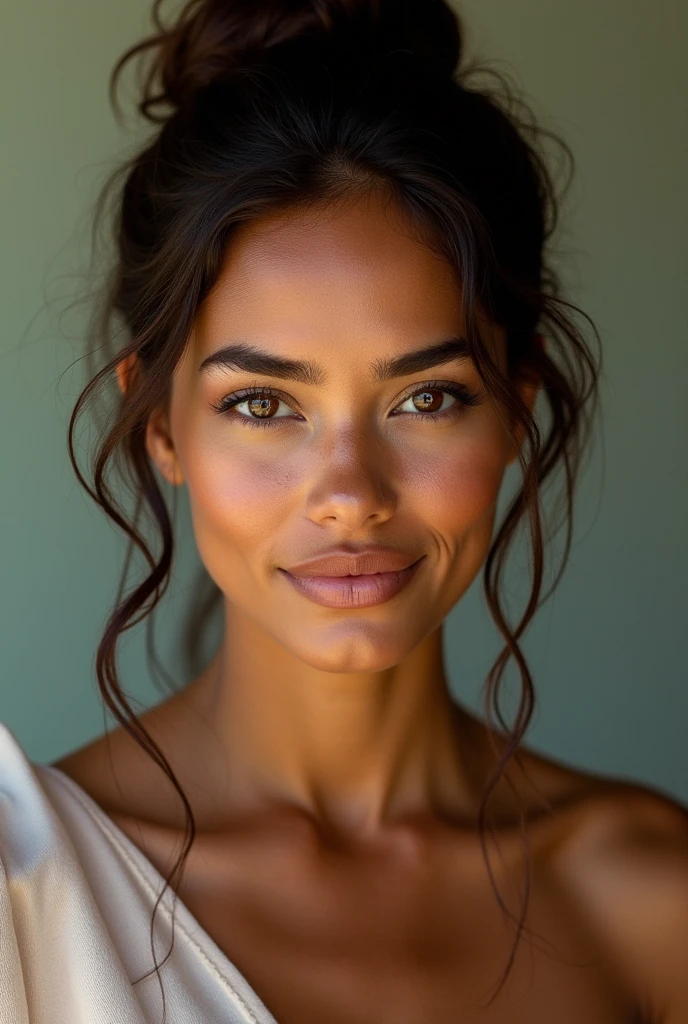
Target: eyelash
{"x":465,"y":396}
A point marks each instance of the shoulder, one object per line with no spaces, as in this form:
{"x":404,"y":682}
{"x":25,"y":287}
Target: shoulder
{"x":625,"y":866}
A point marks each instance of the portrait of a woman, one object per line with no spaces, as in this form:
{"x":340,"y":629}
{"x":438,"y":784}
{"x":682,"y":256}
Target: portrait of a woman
{"x":336,"y":328}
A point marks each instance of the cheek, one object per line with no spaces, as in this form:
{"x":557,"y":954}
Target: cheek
{"x":237,"y":501}
{"x":454,"y":496}
{"x":456,"y":486}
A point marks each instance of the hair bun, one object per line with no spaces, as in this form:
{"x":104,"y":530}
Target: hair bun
{"x":211,"y":38}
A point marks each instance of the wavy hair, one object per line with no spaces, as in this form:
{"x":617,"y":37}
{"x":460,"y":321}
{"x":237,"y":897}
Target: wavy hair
{"x":268,"y":105}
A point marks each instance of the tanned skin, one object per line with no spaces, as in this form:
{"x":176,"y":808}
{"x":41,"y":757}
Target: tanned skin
{"x":334,"y":780}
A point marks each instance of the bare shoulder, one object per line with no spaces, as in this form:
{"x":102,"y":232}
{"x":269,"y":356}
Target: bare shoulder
{"x":617,"y":851}
{"x":625,"y":867}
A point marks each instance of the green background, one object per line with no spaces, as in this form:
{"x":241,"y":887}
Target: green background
{"x":608,"y":650}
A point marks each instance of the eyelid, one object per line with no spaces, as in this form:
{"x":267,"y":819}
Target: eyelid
{"x":257,"y":386}
{"x":243,"y":394}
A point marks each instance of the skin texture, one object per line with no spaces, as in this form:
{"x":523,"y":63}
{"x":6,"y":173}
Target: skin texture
{"x":333,"y":778}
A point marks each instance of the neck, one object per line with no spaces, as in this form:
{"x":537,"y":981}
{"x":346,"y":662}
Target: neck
{"x":354,"y":750}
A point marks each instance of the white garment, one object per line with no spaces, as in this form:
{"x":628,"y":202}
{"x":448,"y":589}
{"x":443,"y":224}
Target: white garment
{"x":76,"y":901}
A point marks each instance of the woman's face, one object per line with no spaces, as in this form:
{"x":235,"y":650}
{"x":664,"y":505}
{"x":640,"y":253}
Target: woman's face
{"x":344,"y":455}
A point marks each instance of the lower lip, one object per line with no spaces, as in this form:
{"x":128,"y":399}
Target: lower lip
{"x":353,"y":591}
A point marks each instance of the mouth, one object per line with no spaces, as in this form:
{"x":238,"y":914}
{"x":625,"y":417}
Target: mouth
{"x":362,"y":590}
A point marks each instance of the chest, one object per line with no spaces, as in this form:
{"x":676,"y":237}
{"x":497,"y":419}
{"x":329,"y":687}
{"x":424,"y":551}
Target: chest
{"x":389,"y":945}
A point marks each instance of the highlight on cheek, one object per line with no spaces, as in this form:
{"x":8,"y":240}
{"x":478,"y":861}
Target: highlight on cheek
{"x":429,"y":402}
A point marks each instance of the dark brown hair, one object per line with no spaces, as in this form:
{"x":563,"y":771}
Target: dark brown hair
{"x":266,"y":105}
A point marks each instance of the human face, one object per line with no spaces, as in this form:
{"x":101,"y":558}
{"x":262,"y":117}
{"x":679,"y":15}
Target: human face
{"x":346,"y":457}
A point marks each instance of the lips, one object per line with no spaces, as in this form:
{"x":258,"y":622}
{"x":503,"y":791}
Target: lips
{"x":345,"y":578}
{"x":342,"y":562}
{"x":353,"y":592}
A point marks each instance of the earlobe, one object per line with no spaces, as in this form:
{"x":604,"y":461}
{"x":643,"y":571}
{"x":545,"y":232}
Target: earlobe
{"x":159,"y":444}
{"x":161,"y":450}
{"x":172,"y":472}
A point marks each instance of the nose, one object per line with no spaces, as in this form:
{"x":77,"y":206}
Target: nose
{"x":352,"y":485}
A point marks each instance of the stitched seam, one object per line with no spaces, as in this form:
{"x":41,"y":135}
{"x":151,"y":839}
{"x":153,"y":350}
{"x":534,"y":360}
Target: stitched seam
{"x":106,"y":826}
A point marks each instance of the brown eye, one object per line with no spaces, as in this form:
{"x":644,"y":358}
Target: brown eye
{"x":262,"y":407}
{"x":428,"y":401}
{"x":260,"y":404}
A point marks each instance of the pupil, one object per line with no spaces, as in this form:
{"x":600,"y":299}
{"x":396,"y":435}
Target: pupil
{"x":260,"y":406}
{"x":424,"y":401}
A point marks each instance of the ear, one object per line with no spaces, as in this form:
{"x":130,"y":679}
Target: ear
{"x":528,"y":387}
{"x":126,"y":370}
{"x":160,"y":446}
{"x":159,"y":443}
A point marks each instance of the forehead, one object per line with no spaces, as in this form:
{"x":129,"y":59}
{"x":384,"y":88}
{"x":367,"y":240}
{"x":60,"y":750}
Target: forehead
{"x":336,"y":276}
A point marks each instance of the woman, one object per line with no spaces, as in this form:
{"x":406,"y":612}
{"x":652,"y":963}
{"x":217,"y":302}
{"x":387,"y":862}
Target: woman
{"x":332,"y":279}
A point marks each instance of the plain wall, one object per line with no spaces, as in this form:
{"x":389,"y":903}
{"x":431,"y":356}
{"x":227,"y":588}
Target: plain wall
{"x":607,"y":650}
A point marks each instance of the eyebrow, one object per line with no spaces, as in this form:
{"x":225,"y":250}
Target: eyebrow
{"x":250,"y":359}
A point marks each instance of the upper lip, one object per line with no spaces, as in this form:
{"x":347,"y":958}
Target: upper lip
{"x":343,"y":562}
